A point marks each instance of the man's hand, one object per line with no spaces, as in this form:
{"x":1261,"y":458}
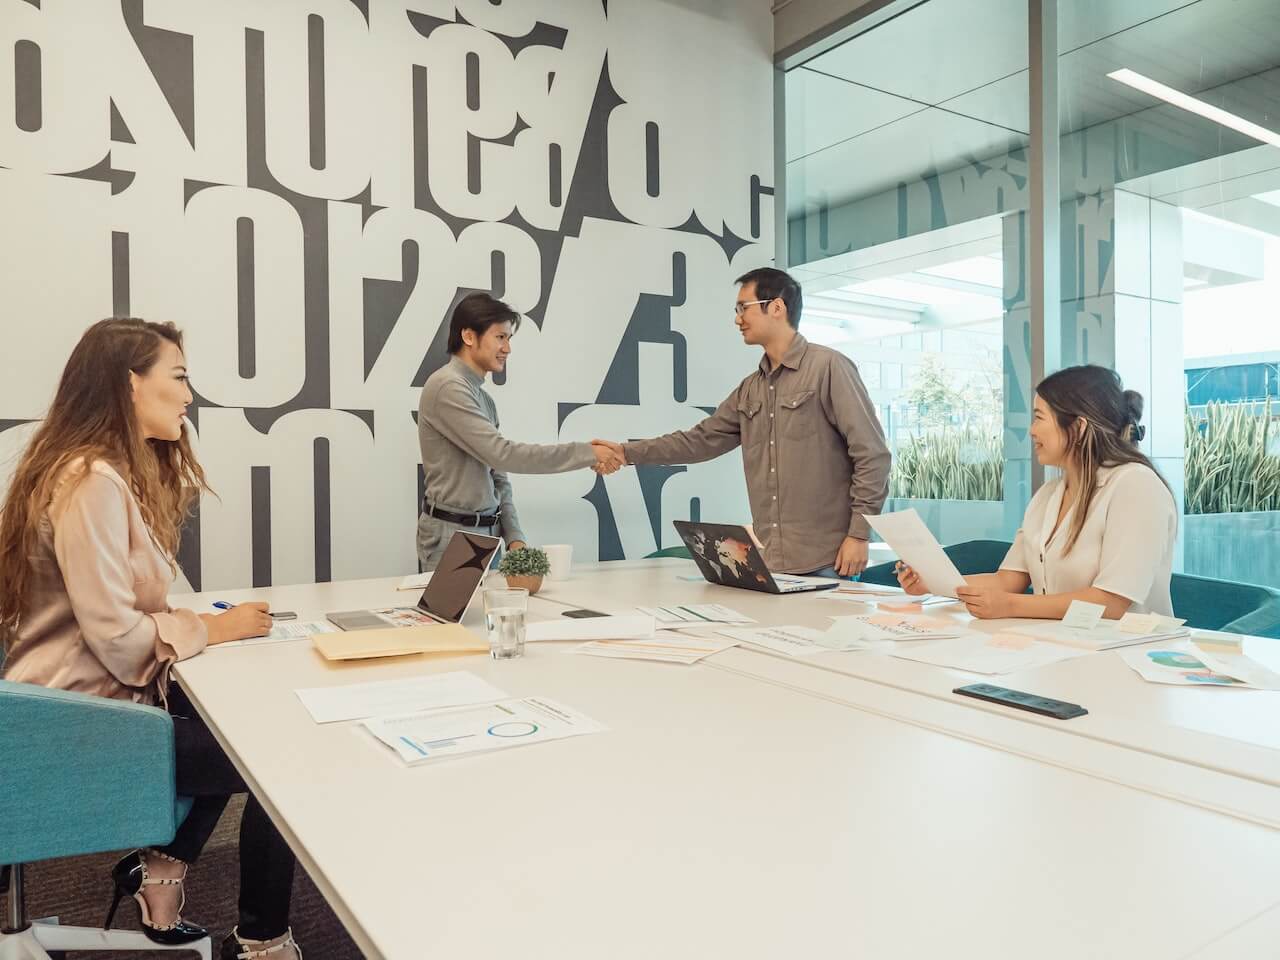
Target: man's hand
{"x":851,"y":559}
{"x":609,"y":457}
{"x":986,"y":603}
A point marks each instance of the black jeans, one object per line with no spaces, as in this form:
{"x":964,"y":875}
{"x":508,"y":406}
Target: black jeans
{"x":266,"y":862}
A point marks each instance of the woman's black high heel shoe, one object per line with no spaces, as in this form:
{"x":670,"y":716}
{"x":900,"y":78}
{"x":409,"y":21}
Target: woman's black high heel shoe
{"x":130,"y":876}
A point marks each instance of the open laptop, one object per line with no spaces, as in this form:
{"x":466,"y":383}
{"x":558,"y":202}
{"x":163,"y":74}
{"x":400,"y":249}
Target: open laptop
{"x":449,"y":591}
{"x":726,"y":554}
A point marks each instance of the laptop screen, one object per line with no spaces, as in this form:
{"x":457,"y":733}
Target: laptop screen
{"x":451,"y":587}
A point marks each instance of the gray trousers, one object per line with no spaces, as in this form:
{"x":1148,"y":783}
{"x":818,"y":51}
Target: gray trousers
{"x":434,"y":535}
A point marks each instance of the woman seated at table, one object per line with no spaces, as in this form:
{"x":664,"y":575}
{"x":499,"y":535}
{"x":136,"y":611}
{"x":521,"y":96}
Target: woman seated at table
{"x":88,"y":535}
{"x":1103,"y":531}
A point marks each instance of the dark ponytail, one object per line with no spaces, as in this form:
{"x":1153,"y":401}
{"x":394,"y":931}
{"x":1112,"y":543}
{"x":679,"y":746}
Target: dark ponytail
{"x":1102,"y":422}
{"x":1133,"y":408}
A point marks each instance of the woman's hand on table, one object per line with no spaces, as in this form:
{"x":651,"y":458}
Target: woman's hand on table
{"x":240,"y":622}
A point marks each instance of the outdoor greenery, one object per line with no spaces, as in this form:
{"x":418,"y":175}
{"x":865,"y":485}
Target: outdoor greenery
{"x":1231,"y":461}
{"x":525,"y":562}
{"x":953,"y":465}
{"x":934,"y":401}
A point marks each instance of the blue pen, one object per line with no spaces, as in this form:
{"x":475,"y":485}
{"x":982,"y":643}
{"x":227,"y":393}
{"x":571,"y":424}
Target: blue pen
{"x":223,"y":605}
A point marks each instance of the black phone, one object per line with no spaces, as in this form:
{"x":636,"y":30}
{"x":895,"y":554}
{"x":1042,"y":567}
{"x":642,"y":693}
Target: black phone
{"x":283,"y":615}
{"x":580,"y":614}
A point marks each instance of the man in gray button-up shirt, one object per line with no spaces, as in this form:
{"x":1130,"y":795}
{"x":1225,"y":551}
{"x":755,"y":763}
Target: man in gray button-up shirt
{"x":465,"y":460}
{"x":813,"y":450}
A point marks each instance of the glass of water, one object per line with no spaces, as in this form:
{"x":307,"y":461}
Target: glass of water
{"x":504,"y":613}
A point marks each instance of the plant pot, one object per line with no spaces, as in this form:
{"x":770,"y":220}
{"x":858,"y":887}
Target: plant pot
{"x":532,"y":584}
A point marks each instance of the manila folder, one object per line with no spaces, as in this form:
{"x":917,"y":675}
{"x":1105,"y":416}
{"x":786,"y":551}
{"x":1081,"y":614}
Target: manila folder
{"x":399,"y":641}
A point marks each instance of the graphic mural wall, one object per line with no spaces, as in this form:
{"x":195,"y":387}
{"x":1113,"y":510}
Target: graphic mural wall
{"x":307,"y":188}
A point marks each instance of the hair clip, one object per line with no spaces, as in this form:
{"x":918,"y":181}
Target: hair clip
{"x":1138,"y":431}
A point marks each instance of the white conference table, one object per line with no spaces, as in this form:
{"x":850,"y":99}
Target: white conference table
{"x":726,"y":814}
{"x":1231,"y":731}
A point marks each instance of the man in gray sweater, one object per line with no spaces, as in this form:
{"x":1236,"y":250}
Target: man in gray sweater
{"x":465,"y":460}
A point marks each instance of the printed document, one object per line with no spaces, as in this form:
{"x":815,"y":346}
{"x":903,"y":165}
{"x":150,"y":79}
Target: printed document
{"x":667,"y":646}
{"x":419,"y":737}
{"x":793,"y":641}
{"x":382,"y":698}
{"x":283,"y":630}
{"x":591,"y":628}
{"x":979,"y":653}
{"x":911,"y":540}
{"x":680,"y":615}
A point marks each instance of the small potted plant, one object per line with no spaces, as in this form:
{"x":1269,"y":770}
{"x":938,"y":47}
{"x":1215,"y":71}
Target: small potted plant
{"x":525,"y":568}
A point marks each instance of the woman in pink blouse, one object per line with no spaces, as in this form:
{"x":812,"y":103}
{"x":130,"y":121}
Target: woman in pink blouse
{"x":88,"y":535}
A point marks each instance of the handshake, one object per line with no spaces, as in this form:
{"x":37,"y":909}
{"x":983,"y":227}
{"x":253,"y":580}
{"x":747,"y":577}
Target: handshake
{"x":609,"y":457}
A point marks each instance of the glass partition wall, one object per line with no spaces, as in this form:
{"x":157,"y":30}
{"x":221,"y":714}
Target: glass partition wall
{"x":907,"y":196}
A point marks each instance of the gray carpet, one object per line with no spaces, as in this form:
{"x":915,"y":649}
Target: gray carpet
{"x":77,"y":890}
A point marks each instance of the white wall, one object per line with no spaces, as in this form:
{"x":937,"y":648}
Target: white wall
{"x":307,"y":188}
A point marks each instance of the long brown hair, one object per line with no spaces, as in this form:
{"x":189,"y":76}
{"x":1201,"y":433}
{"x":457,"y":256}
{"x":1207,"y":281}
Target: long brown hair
{"x":1101,"y":420}
{"x":92,"y":418}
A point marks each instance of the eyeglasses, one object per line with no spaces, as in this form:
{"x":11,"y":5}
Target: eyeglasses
{"x":741,"y":308}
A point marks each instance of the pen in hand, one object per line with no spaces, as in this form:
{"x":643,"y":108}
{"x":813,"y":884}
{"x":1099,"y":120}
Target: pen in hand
{"x":273,"y":614}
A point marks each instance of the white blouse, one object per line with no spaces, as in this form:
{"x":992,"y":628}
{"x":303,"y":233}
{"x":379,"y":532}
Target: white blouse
{"x":1125,"y":546}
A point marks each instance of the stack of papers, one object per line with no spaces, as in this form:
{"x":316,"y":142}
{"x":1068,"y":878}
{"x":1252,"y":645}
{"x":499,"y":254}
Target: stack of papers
{"x":356,"y":701}
{"x":1083,"y":627}
{"x":1093,"y":633}
{"x":896,"y":626}
{"x":419,"y":737}
{"x":1005,"y":652}
{"x":283,"y":630}
{"x":591,"y":628}
{"x":693,"y":613}
{"x":793,"y":641}
{"x":668,"y":647}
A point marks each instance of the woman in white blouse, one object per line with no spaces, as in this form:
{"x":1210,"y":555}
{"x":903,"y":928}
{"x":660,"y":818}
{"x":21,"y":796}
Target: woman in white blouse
{"x":1103,"y":531}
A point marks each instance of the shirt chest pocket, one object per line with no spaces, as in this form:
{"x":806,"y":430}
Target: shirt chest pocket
{"x":751,"y":422}
{"x":798,"y":415}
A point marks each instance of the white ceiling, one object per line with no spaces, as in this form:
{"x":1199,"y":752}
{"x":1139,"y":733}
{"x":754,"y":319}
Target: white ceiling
{"x":946,"y":83}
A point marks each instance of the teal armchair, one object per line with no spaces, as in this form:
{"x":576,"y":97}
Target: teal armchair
{"x":972,"y":556}
{"x":1208,"y":604}
{"x":82,"y":774}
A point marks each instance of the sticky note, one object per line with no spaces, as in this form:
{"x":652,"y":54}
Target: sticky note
{"x":1082,"y":615}
{"x":902,"y":607}
{"x":1139,"y":622}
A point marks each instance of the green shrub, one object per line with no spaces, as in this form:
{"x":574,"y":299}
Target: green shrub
{"x":525,"y":562}
{"x":1229,"y":466}
{"x":953,"y":465}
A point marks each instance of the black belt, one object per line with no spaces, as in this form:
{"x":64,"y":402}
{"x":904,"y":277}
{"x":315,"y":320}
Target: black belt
{"x":464,"y":519}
